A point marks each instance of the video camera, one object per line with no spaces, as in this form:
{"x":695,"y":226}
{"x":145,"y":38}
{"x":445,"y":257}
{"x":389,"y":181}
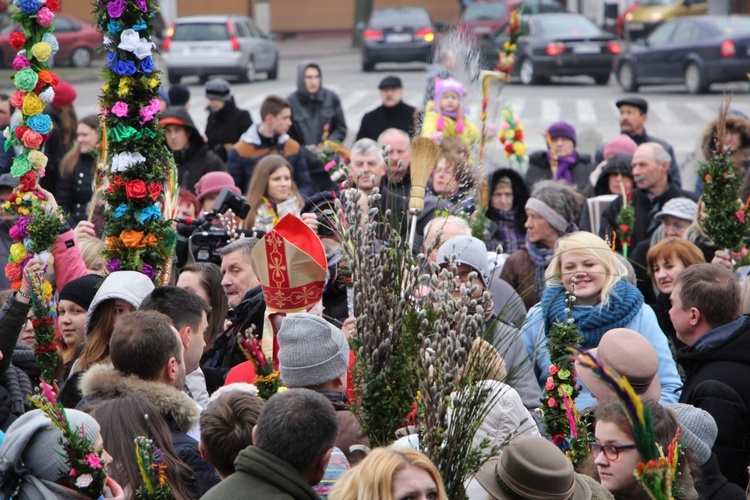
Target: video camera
{"x":203,"y":237}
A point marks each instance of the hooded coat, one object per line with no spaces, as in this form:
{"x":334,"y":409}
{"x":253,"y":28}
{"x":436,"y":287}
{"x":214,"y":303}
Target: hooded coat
{"x":196,"y":159}
{"x":15,"y":384}
{"x":130,"y":286}
{"x":517,"y":212}
{"x":102,"y":382}
{"x":224,"y":127}
{"x":310,"y":115}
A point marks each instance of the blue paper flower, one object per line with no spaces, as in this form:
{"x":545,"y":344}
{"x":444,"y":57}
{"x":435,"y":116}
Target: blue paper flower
{"x":120,"y":211}
{"x":140,"y":25}
{"x":41,"y":123}
{"x":124,"y":68}
{"x":52,"y":41}
{"x":29,"y":7}
{"x":147,"y":65}
{"x":149,"y":214}
{"x":114,"y":27}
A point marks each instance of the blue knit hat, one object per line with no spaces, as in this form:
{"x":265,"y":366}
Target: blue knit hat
{"x":562,"y":129}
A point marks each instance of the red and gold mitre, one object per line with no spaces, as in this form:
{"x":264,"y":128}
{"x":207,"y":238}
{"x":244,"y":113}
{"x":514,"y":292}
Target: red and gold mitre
{"x":291,"y":264}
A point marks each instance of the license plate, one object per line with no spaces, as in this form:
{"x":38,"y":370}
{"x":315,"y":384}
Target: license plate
{"x":201,"y":50}
{"x":586,"y":49}
{"x":482,"y":29}
{"x":636,"y":26}
{"x":398,"y":37}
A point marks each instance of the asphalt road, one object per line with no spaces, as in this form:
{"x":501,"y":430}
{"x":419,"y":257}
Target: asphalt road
{"x":674,"y":115}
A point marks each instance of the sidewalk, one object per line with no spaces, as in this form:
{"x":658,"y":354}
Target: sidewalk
{"x":312,"y":46}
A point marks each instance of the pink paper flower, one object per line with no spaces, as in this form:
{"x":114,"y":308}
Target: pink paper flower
{"x":551,"y":402}
{"x":740,"y":216}
{"x":553,"y":369}
{"x":20,"y":62}
{"x":44,"y":17}
{"x":550,"y":384}
{"x":94,"y":461}
{"x":120,"y":109}
{"x":148,"y":112}
{"x":73,"y":473}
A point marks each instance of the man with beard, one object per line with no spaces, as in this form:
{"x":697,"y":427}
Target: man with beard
{"x":633,"y":116}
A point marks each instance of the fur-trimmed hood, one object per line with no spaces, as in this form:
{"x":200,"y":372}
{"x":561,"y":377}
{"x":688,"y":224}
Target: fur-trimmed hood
{"x":103,"y":381}
{"x":734,"y":122}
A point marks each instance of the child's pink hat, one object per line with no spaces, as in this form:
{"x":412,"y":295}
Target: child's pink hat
{"x":448,"y":85}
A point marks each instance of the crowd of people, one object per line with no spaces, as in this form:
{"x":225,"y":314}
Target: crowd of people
{"x":660,"y":305}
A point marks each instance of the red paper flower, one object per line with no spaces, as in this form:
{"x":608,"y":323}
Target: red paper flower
{"x":28,"y":180}
{"x":53,"y":5}
{"x":17,"y":40}
{"x":136,"y":189}
{"x":624,"y":229}
{"x":155,"y":190}
{"x":20,"y":130}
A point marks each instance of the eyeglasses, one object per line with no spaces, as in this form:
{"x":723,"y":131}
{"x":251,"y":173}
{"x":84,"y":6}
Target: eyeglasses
{"x":611,"y":452}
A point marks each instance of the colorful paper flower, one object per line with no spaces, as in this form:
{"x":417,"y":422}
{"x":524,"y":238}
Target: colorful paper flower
{"x":120,"y":109}
{"x":41,"y":51}
{"x":116,"y":8}
{"x":17,"y":40}
{"x":41,"y":124}
{"x":26,"y":79}
{"x":45,"y":17}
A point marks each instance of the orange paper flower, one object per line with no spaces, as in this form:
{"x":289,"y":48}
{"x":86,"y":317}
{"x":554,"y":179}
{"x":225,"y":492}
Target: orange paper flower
{"x":132,"y":239}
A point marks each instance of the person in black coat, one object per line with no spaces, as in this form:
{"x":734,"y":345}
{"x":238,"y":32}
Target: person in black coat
{"x":315,"y":111}
{"x":706,"y":315}
{"x":191,"y":153}
{"x":573,"y":168}
{"x":226,"y":122}
{"x":77,"y":171}
{"x":393,"y":113}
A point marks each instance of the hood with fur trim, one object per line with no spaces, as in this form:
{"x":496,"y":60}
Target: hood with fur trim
{"x":734,"y":122}
{"x":103,"y":381}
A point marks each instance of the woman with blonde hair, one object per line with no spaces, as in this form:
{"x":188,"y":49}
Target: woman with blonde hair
{"x":272,"y":193}
{"x":392,"y":473}
{"x":584,"y":266}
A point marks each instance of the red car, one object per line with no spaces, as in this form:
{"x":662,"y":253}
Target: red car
{"x":78,"y":41}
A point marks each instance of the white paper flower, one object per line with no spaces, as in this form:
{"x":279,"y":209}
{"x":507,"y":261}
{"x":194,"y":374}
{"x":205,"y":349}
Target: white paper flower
{"x":129,"y":40}
{"x":47,"y":95}
{"x":143,"y":49}
{"x":108,"y":41}
{"x":84,"y":480}
{"x":125,"y":160}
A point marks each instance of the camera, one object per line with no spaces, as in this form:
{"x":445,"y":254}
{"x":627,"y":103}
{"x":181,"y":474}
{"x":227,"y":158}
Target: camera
{"x":203,"y":238}
{"x":326,"y":223}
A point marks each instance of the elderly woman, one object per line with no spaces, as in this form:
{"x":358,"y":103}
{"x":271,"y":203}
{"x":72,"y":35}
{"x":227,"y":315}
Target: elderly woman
{"x":551,"y":212}
{"x":572,"y":167}
{"x":585,"y":266}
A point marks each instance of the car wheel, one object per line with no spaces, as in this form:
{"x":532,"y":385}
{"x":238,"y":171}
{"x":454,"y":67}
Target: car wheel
{"x":528,"y":73}
{"x":626,"y":77}
{"x":173,"y":78}
{"x":81,"y":58}
{"x":601,"y":79}
{"x":274,"y":73}
{"x":249,"y":75}
{"x":695,"y":80}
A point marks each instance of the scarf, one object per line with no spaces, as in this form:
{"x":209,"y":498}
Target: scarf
{"x":540,"y":256}
{"x":625,"y":301}
{"x":453,"y":115}
{"x":506,"y":231}
{"x":564,"y":163}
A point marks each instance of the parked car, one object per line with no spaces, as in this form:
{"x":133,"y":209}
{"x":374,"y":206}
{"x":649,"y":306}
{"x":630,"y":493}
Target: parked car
{"x":219,"y":45}
{"x":696,"y":51}
{"x":557,"y":45}
{"x":397,"y":34}
{"x":481,"y":19}
{"x":78,"y":39}
{"x":643,"y":21}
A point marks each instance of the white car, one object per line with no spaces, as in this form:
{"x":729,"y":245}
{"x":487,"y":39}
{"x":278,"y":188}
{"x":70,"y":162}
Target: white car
{"x":218,"y":45}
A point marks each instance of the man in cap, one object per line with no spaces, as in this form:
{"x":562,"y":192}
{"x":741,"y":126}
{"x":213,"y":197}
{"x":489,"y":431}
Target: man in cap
{"x":393,"y":113}
{"x":269,"y":137}
{"x":633,"y":116}
{"x":191,"y":153}
{"x":226,"y":122}
{"x":314,"y":354}
{"x":179,"y":95}
{"x":315,"y":111}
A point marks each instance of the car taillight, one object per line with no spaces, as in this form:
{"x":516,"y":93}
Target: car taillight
{"x":613,"y":48}
{"x":555,"y":49}
{"x":426,"y":33}
{"x":373,"y":35}
{"x":168,"y":40}
{"x":233,"y":37}
{"x":728,"y":49}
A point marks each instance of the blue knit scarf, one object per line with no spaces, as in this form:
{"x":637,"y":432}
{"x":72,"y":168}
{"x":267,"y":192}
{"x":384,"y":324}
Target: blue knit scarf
{"x":540,"y":257}
{"x":625,"y":302}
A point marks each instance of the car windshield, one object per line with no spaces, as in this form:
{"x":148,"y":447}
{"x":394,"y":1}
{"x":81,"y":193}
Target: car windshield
{"x":656,"y":3}
{"x":488,"y":11}
{"x":565,"y":25}
{"x":200,"y":32}
{"x":731,"y":25}
{"x":387,"y":18}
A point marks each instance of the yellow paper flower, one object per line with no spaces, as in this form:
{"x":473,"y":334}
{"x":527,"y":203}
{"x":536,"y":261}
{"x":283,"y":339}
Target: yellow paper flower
{"x":41,"y":51}
{"x":153,"y":82}
{"x":123,"y":88}
{"x":509,"y":47}
{"x":32,"y":105}
{"x":18,"y":252}
{"x":509,"y":134}
{"x":47,"y":290}
{"x":105,"y":87}
{"x":519,"y":148}
{"x":38,"y":159}
{"x":23,"y":211}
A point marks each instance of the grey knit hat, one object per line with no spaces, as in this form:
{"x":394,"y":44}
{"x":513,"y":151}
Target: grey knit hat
{"x":466,"y":250}
{"x":32,"y":444}
{"x":311,"y":351}
{"x":698,"y":429}
{"x":679,"y":208}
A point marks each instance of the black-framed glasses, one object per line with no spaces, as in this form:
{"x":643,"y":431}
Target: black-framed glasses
{"x":611,"y":452}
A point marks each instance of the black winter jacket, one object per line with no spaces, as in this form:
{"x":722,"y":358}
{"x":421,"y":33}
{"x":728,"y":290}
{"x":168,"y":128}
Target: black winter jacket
{"x":716,"y":381}
{"x":14,"y":383}
{"x":539,"y":169}
{"x":75,"y":193}
{"x":225,"y":127}
{"x":375,"y":122}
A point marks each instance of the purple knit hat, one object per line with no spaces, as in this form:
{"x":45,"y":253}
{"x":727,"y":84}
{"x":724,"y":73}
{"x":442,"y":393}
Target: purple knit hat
{"x":443,"y":85}
{"x":562,"y":129}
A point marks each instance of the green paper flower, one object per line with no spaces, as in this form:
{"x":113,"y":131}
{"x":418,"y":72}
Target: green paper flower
{"x":26,"y":80}
{"x":567,"y":389}
{"x":563,"y":374}
{"x":21,"y":165}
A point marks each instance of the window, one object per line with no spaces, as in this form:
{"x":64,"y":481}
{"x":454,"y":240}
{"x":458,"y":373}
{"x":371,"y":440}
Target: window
{"x":686,"y":32}
{"x":661,"y":35}
{"x":65,"y":24}
{"x":200,"y":32}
